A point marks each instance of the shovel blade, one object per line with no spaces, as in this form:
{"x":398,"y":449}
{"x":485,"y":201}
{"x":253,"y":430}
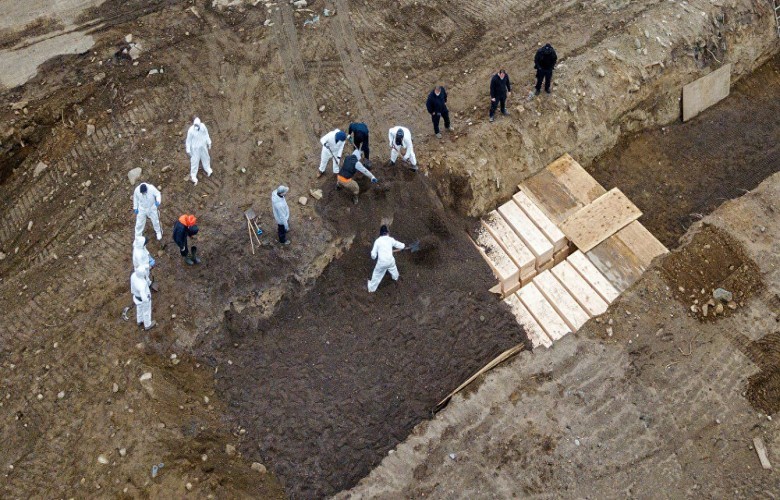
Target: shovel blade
{"x":414,"y":247}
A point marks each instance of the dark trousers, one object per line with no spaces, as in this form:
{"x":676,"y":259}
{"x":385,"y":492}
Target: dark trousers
{"x":361,"y":142}
{"x":282,"y":233}
{"x":183,"y":249}
{"x":435,"y":117}
{"x":494,"y":105}
{"x":546,"y":75}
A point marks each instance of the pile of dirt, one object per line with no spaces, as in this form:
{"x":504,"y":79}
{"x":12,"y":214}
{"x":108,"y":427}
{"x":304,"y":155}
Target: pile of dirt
{"x":712,"y":260}
{"x":763,"y":389}
{"x":337,"y":378}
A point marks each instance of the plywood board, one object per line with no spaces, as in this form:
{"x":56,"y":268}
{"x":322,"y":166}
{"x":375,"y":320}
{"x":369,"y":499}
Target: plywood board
{"x":543,"y":312}
{"x":585,"y":295}
{"x":577,"y":181}
{"x":562,"y":188}
{"x":533,"y":238}
{"x":505,"y":270}
{"x":561,"y":300}
{"x":545,"y":225}
{"x":706,"y":91}
{"x":600,"y":219}
{"x":532,"y":328}
{"x":593,"y":276}
{"x":617,"y":262}
{"x":641,"y":241}
{"x":510,"y":242}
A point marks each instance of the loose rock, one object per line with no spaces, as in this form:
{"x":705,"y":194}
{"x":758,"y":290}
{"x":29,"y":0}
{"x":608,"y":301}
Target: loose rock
{"x":259,"y":467}
{"x":39,"y":168}
{"x":316,"y":193}
{"x":303,"y":200}
{"x":102,"y":459}
{"x":134,"y":175}
{"x":722,"y":295}
{"x":601,"y":72}
{"x":230,"y":450}
{"x":146,"y":376}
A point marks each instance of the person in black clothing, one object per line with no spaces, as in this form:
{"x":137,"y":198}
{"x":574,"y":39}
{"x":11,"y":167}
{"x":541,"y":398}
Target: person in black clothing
{"x":359,"y":133}
{"x":500,"y":88}
{"x":544,"y":63}
{"x":437,"y":108}
{"x":185,"y":228}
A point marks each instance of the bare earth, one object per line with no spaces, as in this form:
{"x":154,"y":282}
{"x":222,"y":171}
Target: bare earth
{"x":275,"y":374}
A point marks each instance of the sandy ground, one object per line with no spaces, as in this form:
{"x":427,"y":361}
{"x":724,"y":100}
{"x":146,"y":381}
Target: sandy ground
{"x":77,"y":418}
{"x":647,"y":400}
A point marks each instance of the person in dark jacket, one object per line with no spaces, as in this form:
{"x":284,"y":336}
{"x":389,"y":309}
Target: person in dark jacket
{"x":437,"y":108}
{"x":358,"y":131}
{"x":544,"y":63}
{"x":345,"y":178}
{"x":500,"y":88}
{"x":185,"y":227}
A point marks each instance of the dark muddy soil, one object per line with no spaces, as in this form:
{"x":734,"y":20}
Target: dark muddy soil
{"x":763,"y":389}
{"x":336,"y":379}
{"x":681,"y":172}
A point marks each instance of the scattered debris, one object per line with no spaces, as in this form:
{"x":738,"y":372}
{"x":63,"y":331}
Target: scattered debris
{"x":90,"y":129}
{"x":230,"y":450}
{"x":39,"y":168}
{"x":761,"y":451}
{"x":134,"y":174}
{"x":316,"y":193}
{"x":303,"y":200}
{"x":313,"y":20}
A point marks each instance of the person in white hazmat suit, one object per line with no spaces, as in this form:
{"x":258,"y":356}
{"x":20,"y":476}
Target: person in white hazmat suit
{"x":142,"y":298}
{"x":383,"y":250}
{"x":198,"y":145}
{"x":281,"y":213}
{"x":141,"y":256}
{"x":400,"y":138}
{"x":332,"y":148}
{"x":146,"y":199}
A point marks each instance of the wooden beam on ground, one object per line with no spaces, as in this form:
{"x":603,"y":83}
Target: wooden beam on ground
{"x":563,"y":303}
{"x":593,"y":276}
{"x":577,"y":181}
{"x":585,"y":295}
{"x":600,"y":219}
{"x":533,"y":238}
{"x":544,"y":314}
{"x":545,"y":225}
{"x":510,"y":242}
{"x":532,"y":328}
{"x":758,"y":444}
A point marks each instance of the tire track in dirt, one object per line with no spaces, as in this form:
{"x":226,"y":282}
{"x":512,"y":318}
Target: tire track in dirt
{"x":352,"y":63}
{"x":304,"y":106}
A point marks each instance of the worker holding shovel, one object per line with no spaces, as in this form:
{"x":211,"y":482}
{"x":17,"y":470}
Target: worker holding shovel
{"x":400,"y":138}
{"x":383,"y":250}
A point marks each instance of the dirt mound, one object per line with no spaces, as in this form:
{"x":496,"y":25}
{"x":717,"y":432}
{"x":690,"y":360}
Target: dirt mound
{"x":337,"y":378}
{"x":712,"y":260}
{"x":763,"y":390}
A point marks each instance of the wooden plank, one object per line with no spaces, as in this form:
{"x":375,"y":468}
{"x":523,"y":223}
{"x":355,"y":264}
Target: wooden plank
{"x":706,"y":91}
{"x":758,"y":444}
{"x":560,"y":255}
{"x":510,"y":242}
{"x":642,"y":242}
{"x":507,"y":273}
{"x":533,"y":238}
{"x":593,"y":276}
{"x":577,"y":181}
{"x":545,"y":225}
{"x":550,"y":196}
{"x":543,"y":312}
{"x":583,"y":293}
{"x":600,"y":219}
{"x":565,"y":305}
{"x":532,"y":328}
{"x":617,"y":262}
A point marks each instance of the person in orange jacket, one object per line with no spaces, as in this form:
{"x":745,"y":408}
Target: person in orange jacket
{"x":185,"y":228}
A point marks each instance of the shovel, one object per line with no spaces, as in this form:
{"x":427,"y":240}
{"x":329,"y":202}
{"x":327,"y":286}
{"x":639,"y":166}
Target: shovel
{"x":413,"y":247}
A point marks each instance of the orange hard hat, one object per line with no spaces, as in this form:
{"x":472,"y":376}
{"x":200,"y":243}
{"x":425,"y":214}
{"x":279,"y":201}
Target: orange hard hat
{"x":188,"y":220}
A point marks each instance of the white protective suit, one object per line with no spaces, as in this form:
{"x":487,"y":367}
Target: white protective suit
{"x":385,"y":262}
{"x":281,"y":210}
{"x":141,"y":256}
{"x":331,"y":150}
{"x":146,"y":204}
{"x":198,"y":145}
{"x":142,"y":296}
{"x":405,"y":144}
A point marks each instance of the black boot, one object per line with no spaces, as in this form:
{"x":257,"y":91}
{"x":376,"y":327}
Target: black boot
{"x":194,"y":255}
